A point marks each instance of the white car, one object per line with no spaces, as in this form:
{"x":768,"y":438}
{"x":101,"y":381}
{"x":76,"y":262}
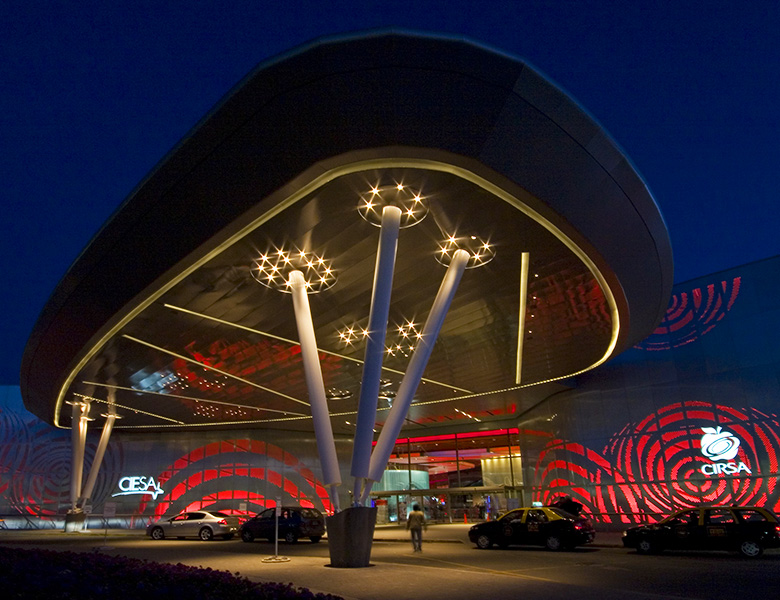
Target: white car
{"x":202,"y":524}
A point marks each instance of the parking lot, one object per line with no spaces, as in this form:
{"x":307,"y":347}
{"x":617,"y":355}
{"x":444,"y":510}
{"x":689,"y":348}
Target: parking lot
{"x":449,"y":566}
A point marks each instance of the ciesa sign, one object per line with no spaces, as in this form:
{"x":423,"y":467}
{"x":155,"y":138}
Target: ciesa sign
{"x":138,"y":485}
{"x":720,"y":445}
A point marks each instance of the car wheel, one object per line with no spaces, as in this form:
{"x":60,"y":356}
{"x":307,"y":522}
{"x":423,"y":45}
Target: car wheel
{"x":247,"y":536}
{"x":158,"y":533}
{"x":206,"y":534}
{"x":553,"y":542}
{"x":315,"y":538}
{"x":484,"y":542}
{"x":750,"y":549}
{"x":646,"y":546}
{"x":290,"y":537}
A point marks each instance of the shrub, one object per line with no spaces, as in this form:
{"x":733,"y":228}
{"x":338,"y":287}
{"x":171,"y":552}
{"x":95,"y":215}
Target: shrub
{"x":33,"y":573}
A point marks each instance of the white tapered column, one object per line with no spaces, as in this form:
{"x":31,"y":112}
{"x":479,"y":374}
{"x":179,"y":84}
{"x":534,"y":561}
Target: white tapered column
{"x":417,"y":364}
{"x":98,"y":459}
{"x":375,"y":345}
{"x":78,"y":438}
{"x":326,"y":447}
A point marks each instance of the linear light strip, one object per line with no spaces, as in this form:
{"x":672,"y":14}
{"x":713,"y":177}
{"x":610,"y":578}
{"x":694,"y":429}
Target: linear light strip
{"x":524,"y":261}
{"x":209,"y":368}
{"x":294,"y":343}
{"x":135,"y":410}
{"x":513,"y":388}
{"x":231,"y":404}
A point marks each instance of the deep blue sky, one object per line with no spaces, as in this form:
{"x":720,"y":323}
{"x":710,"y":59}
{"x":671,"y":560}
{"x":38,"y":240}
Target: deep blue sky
{"x":94,"y":93}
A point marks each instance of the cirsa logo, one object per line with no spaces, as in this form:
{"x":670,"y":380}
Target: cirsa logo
{"x":720,"y":445}
{"x":138,"y":485}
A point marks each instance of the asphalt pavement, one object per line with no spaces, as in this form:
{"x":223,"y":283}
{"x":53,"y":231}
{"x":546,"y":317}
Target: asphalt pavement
{"x":450,"y":567}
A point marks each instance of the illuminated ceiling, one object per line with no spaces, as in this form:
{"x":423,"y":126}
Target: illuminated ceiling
{"x":175,"y":312}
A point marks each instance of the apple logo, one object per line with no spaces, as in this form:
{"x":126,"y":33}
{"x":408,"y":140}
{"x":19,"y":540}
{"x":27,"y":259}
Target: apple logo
{"x":717,"y":444}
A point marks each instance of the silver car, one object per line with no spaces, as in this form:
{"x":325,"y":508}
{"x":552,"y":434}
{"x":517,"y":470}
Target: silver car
{"x":202,"y":524}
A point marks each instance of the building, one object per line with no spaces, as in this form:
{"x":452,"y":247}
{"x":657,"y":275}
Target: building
{"x":393,"y":234}
{"x":689,"y":416}
{"x":626,"y":440}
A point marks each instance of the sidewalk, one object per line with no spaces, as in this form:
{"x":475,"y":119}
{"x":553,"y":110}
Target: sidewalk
{"x":457,"y":533}
{"x":450,"y":569}
{"x":447,"y":533}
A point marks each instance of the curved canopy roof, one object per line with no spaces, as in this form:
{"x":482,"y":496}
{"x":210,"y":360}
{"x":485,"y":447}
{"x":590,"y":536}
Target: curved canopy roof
{"x":173,"y":312}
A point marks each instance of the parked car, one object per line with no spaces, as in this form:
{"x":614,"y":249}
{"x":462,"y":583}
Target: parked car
{"x":295,"y":522}
{"x":203,"y":524}
{"x":547,"y":526}
{"x":744,"y":529}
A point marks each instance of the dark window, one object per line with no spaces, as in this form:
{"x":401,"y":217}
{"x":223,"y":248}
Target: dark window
{"x":719,"y":516}
{"x":751,"y":516}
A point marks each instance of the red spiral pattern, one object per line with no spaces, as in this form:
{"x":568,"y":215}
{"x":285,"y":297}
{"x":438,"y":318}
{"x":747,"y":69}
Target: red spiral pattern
{"x":221,"y":475}
{"x":654,"y":466}
{"x":692,"y":314}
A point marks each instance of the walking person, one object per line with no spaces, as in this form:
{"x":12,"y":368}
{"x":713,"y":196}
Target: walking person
{"x":415,"y":523}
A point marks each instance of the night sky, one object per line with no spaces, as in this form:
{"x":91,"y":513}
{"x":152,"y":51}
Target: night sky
{"x":94,"y":93}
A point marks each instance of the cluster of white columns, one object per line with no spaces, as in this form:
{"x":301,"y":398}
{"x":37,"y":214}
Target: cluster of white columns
{"x":80,"y":495}
{"x":368,"y":467}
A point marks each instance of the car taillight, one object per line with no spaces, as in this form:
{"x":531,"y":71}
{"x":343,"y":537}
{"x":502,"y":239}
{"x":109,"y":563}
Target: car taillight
{"x":578,"y":525}
{"x":222,"y":522}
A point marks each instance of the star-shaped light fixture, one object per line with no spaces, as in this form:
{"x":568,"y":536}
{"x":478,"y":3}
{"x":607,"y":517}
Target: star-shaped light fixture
{"x":272,"y":269}
{"x":480,"y":251}
{"x":407,"y":199}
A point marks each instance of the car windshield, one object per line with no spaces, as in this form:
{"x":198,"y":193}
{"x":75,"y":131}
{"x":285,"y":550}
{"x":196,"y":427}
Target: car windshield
{"x":220,"y":515}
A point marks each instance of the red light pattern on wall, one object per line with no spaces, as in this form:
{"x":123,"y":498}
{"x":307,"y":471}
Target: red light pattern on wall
{"x":655,"y":466}
{"x":35,"y":466}
{"x":222,"y":475}
{"x":692,"y":314}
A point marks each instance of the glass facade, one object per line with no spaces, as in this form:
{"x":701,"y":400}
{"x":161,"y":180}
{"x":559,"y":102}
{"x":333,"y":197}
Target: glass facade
{"x":454,"y":477}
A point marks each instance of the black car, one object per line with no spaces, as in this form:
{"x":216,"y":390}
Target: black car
{"x":547,"y":526}
{"x":294,"y":522}
{"x":744,"y":529}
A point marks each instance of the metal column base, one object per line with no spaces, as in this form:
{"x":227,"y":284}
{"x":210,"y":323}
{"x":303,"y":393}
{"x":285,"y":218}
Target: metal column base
{"x":74,"y":520}
{"x":350,"y":534}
